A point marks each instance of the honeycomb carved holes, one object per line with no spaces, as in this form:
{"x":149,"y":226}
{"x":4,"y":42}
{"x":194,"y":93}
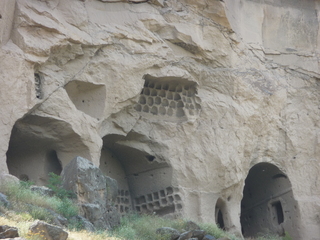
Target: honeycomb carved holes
{"x":161,"y":202}
{"x":172,"y":99}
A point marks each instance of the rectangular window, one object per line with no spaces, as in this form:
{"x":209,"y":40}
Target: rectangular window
{"x":278,"y":211}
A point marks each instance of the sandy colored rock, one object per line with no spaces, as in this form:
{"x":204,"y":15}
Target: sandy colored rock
{"x":186,"y":104}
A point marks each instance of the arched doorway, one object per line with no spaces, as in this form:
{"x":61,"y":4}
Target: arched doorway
{"x":219,"y":213}
{"x":268,"y":205}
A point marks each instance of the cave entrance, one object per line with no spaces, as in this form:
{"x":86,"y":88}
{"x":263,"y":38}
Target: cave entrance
{"x":268,"y":205}
{"x":40,"y":145}
{"x":144,"y":178}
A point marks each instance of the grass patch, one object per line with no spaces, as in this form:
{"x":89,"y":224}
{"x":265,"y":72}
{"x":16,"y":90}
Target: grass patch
{"x":143,"y":227}
{"x":216,"y":231}
{"x":22,"y":199}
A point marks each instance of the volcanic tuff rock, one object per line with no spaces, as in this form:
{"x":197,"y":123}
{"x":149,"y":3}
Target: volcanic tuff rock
{"x":175,"y":99}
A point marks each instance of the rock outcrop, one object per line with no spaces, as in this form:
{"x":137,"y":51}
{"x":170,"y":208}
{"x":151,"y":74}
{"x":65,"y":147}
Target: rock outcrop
{"x":187,"y":104}
{"x":92,"y":190}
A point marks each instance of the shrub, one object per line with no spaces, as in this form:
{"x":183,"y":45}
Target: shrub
{"x":39,"y":213}
{"x":67,"y":208}
{"x":55,"y":183}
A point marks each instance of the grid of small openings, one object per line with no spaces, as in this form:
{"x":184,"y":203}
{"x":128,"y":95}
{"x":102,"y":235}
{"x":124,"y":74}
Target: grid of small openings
{"x":169,"y":99}
{"x":168,"y":198}
{"x":123,"y":203}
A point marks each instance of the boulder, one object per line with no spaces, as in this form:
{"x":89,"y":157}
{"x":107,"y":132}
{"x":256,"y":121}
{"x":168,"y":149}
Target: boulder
{"x":42,"y":190}
{"x":95,"y":215}
{"x":91,"y":188}
{"x":82,"y":223}
{"x":85,"y":180}
{"x":47,"y":231}
{"x":112,"y":216}
{"x":58,"y":219}
{"x":167,"y":231}
{"x":199,"y":234}
{"x":8,"y":232}
{"x":209,"y":237}
{"x":185,"y":235}
{"x":190,"y":226}
{"x":8,"y":179}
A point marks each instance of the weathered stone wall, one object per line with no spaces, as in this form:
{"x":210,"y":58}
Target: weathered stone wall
{"x":181,"y":95}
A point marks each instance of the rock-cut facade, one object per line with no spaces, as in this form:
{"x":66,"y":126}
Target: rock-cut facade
{"x":202,"y":109}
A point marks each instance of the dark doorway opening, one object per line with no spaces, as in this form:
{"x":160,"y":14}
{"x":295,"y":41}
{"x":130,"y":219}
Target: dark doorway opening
{"x":219,"y":213}
{"x":220,"y":221}
{"x":268,"y":205}
{"x":52,"y":163}
{"x":278,"y":211}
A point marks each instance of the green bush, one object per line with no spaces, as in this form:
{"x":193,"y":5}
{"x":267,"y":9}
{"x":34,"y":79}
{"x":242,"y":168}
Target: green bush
{"x":75,"y":224}
{"x":55,"y":183}
{"x":39,"y":213}
{"x":67,"y":208}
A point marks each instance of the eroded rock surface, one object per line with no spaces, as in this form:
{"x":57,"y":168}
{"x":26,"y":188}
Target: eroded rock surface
{"x":91,"y":188}
{"x":176,"y":100}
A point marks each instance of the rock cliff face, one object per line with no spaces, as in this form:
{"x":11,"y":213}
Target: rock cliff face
{"x":205,"y":109}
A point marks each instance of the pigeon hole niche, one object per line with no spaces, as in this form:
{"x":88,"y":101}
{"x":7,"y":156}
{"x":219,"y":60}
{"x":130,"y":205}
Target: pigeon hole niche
{"x":144,"y":180}
{"x":40,"y":145}
{"x":268,"y":204}
{"x":168,"y":98}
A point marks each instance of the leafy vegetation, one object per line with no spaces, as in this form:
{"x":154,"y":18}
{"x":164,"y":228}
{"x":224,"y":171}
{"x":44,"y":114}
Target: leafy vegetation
{"x":143,"y":227}
{"x":55,"y":184}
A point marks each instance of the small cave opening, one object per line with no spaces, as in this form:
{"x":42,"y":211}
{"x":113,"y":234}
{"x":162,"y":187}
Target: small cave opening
{"x":52,"y":163}
{"x":38,"y":79}
{"x":219,"y":213}
{"x":268,"y":203}
{"x":278,"y":211}
{"x":150,"y":158}
{"x":219,"y":220}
